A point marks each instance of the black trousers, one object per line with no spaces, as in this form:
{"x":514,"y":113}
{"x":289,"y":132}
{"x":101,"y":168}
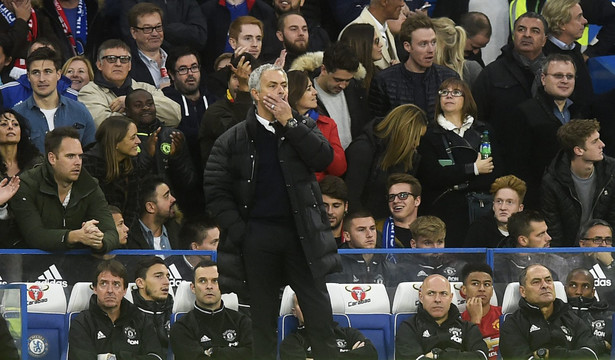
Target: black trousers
{"x":273,"y":258}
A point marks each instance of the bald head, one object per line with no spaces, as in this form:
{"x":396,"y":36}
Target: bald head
{"x":436,"y":296}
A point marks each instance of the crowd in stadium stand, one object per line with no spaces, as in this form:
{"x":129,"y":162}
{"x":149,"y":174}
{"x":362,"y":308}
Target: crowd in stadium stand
{"x":279,"y":131}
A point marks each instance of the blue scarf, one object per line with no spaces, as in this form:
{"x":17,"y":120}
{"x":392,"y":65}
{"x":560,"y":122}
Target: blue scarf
{"x":388,"y":237}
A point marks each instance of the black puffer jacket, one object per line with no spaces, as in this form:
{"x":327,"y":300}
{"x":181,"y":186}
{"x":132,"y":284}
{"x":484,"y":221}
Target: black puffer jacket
{"x":229,"y":191}
{"x":560,"y":202}
{"x":596,"y":314}
{"x":458,"y":338}
{"x":159,"y":313}
{"x":563,"y":333}
{"x":393,"y":86}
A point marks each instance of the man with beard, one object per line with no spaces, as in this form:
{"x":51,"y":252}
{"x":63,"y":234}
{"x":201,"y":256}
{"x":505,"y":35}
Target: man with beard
{"x":158,"y":228}
{"x":173,"y":161}
{"x":148,"y":57}
{"x":60,"y":207}
{"x":152,"y":296}
{"x":112,"y":327}
{"x":581,"y":294}
{"x":294,"y":35}
{"x":429,"y":232}
{"x":335,"y":197}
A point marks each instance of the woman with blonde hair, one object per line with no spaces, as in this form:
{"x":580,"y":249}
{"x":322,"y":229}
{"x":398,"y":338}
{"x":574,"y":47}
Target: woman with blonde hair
{"x":385,"y":147}
{"x":451,"y":40}
{"x":79,"y":70}
{"x":451,"y":164}
{"x":114,"y":162}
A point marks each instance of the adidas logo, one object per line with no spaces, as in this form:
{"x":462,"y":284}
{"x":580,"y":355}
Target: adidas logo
{"x":52,"y":276}
{"x":421,"y":273}
{"x":2,"y":281}
{"x":426,"y":334}
{"x":599,"y":276}
{"x":534,"y":328}
{"x":100,"y":335}
{"x":205,"y":338}
{"x":175,"y":277}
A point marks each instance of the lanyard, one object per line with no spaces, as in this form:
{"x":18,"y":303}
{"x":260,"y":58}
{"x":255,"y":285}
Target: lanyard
{"x":82,"y":24}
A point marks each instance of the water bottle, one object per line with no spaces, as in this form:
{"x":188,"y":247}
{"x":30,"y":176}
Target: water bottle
{"x":485,"y":146}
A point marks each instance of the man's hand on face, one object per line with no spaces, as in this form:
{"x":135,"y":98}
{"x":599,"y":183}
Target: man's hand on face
{"x":474,"y":306}
{"x":279,"y":108}
{"x":23,"y":10}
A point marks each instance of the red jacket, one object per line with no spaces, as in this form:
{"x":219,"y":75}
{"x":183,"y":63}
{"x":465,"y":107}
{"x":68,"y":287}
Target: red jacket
{"x":328,"y":128}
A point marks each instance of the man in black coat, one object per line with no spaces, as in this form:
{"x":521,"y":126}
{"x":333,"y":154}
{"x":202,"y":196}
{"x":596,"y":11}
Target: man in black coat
{"x":112,"y":325}
{"x":543,"y":326}
{"x":580,"y":182}
{"x":260,"y":184}
{"x":437,"y":330}
{"x":537,"y":120}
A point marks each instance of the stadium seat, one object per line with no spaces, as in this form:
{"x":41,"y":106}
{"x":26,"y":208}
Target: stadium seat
{"x":47,"y":331}
{"x":510,"y":303}
{"x":368,"y":308}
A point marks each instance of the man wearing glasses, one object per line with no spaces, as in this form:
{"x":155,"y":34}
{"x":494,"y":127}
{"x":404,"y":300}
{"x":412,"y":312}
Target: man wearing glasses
{"x":106,"y":95}
{"x":149,"y":59}
{"x":578,"y":185}
{"x":404,"y":198}
{"x":537,"y":120}
{"x":598,"y":233}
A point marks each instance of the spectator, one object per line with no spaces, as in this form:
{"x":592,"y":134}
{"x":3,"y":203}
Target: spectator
{"x":478,"y":290}
{"x":112,"y":160}
{"x":557,"y":332}
{"x":158,"y":227}
{"x":6,"y":60}
{"x":168,"y":148}
{"x":335,"y":197}
{"x":17,"y":154}
{"x":201,"y":330}
{"x":360,"y":232}
{"x":277,"y":231}
{"x":489,"y":230}
{"x":478,"y":31}
{"x":220,"y":14}
{"x":120,"y":225}
{"x":78,"y":25}
{"x":537,"y":121}
{"x":416,"y":81}
{"x":106,"y":95}
{"x":510,"y":79}
{"x":245,"y":34}
{"x":15,"y":92}
{"x":437,"y":331}
{"x":23,"y":24}
{"x":228,"y":111}
{"x":46,"y":109}
{"x":385,"y":148}
{"x":404,"y":198}
{"x":576,"y":186}
{"x":184,"y":23}
{"x":79,"y":70}
{"x":566,"y":26}
{"x":148,"y":57}
{"x":319,"y":39}
{"x":377,"y":14}
{"x":190,"y":92}
{"x":302,"y":98}
{"x":294,"y":35}
{"x":451,"y":165}
{"x":581,"y":292}
{"x":429,"y":232}
{"x":368,"y":46}
{"x":351,"y":343}
{"x":64,"y":207}
{"x":152,"y":296}
{"x":340,"y":95}
{"x":450,"y":40}
{"x":597,"y":233}
{"x":124,"y":329}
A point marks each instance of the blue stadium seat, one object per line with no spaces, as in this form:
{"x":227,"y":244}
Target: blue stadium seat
{"x":47,"y":330}
{"x":510,"y":303}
